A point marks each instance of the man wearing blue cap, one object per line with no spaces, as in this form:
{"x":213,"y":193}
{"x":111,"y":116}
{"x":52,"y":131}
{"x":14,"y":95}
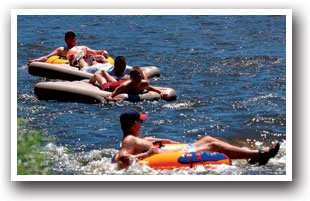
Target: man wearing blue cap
{"x":133,"y":146}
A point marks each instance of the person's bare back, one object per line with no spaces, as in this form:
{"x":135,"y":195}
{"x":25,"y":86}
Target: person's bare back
{"x":62,"y":52}
{"x":135,"y":88}
{"x":136,"y":85}
{"x":76,"y":50}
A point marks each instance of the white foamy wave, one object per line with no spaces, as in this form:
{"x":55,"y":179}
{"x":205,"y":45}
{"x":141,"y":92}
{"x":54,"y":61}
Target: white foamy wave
{"x":23,"y":67}
{"x":27,"y":97}
{"x":179,"y":106}
{"x":99,"y":167}
{"x":98,"y":162}
{"x":54,"y":150}
{"x":263,"y":97}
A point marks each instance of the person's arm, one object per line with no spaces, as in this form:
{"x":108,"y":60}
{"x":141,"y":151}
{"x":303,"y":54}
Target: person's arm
{"x":96,"y":52}
{"x":120,"y":89}
{"x":126,"y":158}
{"x":125,"y":154}
{"x":100,"y":59}
{"x":163,"y":141}
{"x":161,"y":93}
{"x":44,"y":58}
{"x":150,"y":152}
{"x":100,"y":56}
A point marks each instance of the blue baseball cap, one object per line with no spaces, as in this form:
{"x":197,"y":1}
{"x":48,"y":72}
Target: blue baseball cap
{"x":131,"y":115}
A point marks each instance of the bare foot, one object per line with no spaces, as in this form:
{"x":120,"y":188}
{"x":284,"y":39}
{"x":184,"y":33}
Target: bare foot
{"x":99,"y":58}
{"x":105,"y":54}
{"x":109,"y":98}
{"x":164,"y":96}
{"x":93,"y":79}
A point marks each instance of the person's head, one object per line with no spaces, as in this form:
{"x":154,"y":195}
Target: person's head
{"x":136,"y":74}
{"x":119,"y":65}
{"x":131,"y":121}
{"x":70,"y":38}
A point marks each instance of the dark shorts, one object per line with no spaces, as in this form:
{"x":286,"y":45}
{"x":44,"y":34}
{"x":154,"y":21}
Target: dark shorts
{"x":110,"y":86}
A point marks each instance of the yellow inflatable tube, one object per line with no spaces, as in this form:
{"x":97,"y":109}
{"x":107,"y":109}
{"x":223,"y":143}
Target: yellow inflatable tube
{"x":181,"y":159}
{"x":57,"y":60}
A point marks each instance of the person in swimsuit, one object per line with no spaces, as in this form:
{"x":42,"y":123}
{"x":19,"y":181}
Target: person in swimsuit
{"x":82,"y":57}
{"x":136,"y":84}
{"x":134,"y":147}
{"x":72,"y":50}
{"x":118,"y":70}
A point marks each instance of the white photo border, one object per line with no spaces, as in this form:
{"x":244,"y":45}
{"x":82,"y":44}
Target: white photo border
{"x":286,"y":12}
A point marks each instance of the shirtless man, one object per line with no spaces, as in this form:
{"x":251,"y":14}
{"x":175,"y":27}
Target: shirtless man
{"x":135,"y":147}
{"x":71,"y":50}
{"x":136,"y":84}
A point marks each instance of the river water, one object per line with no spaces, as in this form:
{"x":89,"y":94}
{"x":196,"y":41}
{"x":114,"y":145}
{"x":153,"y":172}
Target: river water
{"x":229,"y":73}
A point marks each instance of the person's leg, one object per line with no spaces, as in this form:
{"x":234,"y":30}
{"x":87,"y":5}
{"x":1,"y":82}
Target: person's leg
{"x":77,"y":58}
{"x":97,"y":78}
{"x":212,"y":144}
{"x":91,"y":60}
{"x":82,"y":63}
{"x":100,"y":59}
{"x":107,"y":76}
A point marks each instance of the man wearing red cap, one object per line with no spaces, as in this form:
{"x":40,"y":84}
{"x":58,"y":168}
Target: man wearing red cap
{"x":135,"y":147}
{"x":72,"y":50}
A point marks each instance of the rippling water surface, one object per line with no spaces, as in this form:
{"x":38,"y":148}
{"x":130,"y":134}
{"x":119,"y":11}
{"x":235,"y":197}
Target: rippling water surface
{"x":228,"y":72}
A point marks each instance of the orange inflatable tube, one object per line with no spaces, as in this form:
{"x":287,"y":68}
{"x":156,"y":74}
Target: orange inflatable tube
{"x":181,"y":159}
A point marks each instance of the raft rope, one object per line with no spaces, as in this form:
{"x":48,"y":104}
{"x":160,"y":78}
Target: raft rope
{"x":199,"y":156}
{"x":190,"y":159}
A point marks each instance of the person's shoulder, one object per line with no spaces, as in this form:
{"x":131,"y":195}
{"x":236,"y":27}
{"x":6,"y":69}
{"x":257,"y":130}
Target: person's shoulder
{"x":126,"y":83}
{"x":145,"y":82}
{"x":84,"y":46}
{"x":79,"y":47}
{"x":60,"y":48}
{"x":129,"y":139}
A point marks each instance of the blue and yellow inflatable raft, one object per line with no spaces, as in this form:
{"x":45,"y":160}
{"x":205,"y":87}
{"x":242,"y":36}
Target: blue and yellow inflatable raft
{"x":180,"y":159}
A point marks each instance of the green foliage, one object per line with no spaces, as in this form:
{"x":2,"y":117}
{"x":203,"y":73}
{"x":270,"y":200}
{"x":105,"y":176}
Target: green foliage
{"x":30,"y":160}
